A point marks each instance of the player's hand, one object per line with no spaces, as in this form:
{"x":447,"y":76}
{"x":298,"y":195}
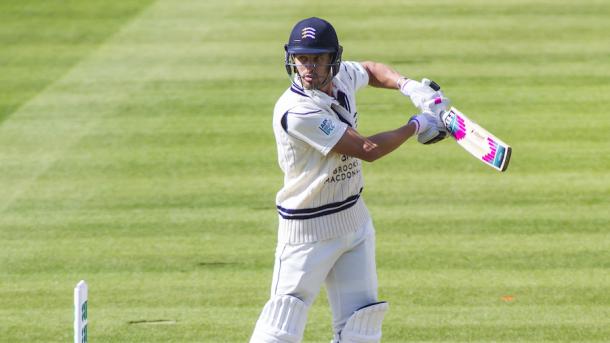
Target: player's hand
{"x":438,"y":102}
{"x":423,"y":96}
{"x":436,"y":105}
{"x":418,"y":92}
{"x":429,"y":128}
{"x":420,"y":121}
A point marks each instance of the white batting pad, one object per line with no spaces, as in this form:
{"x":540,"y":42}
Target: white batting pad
{"x":282,"y":321}
{"x":364,"y":326}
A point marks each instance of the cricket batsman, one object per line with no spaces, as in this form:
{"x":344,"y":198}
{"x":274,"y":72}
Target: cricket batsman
{"x":326,"y":235}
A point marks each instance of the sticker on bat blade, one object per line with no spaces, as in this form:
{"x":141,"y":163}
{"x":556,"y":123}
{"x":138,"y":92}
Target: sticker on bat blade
{"x":496,"y":153}
{"x":455,"y":125}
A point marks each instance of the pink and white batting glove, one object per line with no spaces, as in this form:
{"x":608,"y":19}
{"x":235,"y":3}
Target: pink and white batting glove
{"x":429,"y":128}
{"x":421,"y":121}
{"x":423,"y":96}
{"x":438,"y":102}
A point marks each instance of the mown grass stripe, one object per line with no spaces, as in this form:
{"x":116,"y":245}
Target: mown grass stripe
{"x":41,"y":42}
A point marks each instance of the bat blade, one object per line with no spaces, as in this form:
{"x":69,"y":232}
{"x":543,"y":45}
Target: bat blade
{"x":476,"y":140}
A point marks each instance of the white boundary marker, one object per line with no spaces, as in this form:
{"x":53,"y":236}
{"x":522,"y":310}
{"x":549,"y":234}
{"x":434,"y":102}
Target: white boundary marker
{"x":80,"y":312}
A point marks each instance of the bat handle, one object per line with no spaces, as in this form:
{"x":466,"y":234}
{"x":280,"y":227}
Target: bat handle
{"x":435,"y":86}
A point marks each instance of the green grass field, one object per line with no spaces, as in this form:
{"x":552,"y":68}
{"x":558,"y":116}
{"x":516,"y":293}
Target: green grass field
{"x":136,"y":152}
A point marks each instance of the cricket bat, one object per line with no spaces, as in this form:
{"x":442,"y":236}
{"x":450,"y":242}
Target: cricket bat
{"x":479,"y":142}
{"x":476,"y":140}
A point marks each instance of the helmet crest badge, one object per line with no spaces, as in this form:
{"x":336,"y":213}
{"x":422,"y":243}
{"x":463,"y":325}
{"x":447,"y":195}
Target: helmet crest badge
{"x":308,"y":32}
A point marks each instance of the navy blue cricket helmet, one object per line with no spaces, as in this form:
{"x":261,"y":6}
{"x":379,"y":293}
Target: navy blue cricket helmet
{"x":313,"y":36}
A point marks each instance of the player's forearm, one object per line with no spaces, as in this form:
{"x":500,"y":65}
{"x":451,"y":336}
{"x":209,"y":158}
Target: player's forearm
{"x":386,"y":142}
{"x":381,"y":76}
{"x":372,"y":148}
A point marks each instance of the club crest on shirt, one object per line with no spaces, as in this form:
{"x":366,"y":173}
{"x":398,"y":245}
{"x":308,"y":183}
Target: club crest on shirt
{"x":327,"y":126}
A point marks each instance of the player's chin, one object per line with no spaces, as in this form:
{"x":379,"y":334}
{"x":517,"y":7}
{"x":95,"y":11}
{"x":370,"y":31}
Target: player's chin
{"x":311,"y":83}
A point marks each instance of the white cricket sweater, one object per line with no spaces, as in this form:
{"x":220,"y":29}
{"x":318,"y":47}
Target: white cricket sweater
{"x":321,"y":196}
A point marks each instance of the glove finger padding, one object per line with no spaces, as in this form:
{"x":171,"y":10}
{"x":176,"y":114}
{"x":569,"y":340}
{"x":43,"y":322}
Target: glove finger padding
{"x":431,"y":136}
{"x":437,"y":104}
{"x":435,"y":130}
{"x":424,"y":97}
{"x":417,"y":92}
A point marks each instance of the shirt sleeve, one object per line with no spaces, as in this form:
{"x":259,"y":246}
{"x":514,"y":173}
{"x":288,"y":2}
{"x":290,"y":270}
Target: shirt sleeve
{"x":315,"y":128}
{"x":356,"y":73}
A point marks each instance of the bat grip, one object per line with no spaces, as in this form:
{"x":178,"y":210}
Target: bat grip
{"x":434,"y":86}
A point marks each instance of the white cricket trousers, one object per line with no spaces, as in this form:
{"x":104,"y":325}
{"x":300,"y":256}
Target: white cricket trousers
{"x":345,"y":264}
